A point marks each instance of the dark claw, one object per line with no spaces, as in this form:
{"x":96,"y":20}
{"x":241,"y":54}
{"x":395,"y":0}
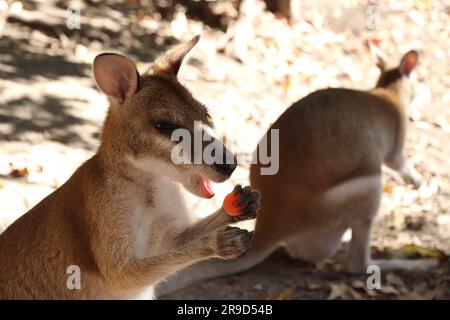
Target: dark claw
{"x":249,"y":200}
{"x":243,"y":200}
{"x":249,"y":197}
{"x":249,"y":209}
{"x":237,"y":189}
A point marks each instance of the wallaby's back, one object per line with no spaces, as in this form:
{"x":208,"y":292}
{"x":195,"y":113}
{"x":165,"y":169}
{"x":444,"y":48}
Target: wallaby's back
{"x":331,"y":135}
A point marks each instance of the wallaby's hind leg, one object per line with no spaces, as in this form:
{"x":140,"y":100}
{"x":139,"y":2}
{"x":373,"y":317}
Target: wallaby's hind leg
{"x":363,"y":211}
{"x":353,"y":203}
{"x":407,"y":172}
{"x":359,"y":256}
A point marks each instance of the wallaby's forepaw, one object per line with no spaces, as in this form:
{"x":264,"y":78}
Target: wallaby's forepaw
{"x":249,"y":202}
{"x":232,"y":242}
{"x":413,"y":179}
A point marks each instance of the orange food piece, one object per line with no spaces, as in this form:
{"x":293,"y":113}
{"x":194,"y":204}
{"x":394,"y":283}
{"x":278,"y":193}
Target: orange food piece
{"x":230,"y":204}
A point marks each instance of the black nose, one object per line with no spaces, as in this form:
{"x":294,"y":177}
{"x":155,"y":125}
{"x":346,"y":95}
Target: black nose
{"x":226,"y":169}
{"x":228,"y":164}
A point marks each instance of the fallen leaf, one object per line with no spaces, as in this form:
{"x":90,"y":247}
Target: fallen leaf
{"x":355,"y":295}
{"x":394,"y":280}
{"x":414,"y":251}
{"x":358,"y":284}
{"x":388,"y":188}
{"x":258,"y":286}
{"x":312,"y":286}
{"x":343,"y":291}
{"x":284,"y":295}
{"x":388,"y":289}
{"x":422,"y":292}
{"x":20,"y":173}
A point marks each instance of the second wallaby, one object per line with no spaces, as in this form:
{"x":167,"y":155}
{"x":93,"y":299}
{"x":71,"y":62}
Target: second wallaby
{"x":332,"y":146}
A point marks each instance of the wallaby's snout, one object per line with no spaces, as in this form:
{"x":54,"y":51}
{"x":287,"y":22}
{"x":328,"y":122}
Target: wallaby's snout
{"x":227,"y":165}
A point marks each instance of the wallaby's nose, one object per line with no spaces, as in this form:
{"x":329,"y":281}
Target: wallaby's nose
{"x":226,"y":167}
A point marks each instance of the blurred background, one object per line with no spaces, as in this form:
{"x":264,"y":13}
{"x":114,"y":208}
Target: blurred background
{"x":255,"y":59}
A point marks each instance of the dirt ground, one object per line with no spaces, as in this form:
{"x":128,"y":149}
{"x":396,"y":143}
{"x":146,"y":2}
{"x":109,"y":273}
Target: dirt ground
{"x":51,"y":114}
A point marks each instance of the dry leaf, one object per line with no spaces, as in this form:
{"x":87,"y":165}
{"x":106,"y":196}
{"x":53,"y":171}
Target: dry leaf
{"x":394,"y":280}
{"x":388,"y":289}
{"x":312,"y":286}
{"x":358,"y":284}
{"x":343,"y":291}
{"x":20,"y":173}
{"x":258,"y":286}
{"x":414,"y":251}
{"x":422,"y":292}
{"x":388,"y":188}
{"x":284,"y":295}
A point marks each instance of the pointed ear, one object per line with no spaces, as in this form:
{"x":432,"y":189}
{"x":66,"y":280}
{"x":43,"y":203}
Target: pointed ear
{"x":170,"y":62}
{"x":116,"y":75}
{"x":375,"y":54}
{"x":379,"y":61}
{"x":408,"y":62}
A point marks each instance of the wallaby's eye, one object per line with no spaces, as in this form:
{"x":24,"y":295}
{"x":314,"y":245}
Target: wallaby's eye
{"x":166,"y":127}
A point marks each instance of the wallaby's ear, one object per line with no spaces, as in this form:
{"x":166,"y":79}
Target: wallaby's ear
{"x":408,"y":62}
{"x":375,"y":54}
{"x":171,"y":61}
{"x":115,"y":75}
{"x":379,"y":61}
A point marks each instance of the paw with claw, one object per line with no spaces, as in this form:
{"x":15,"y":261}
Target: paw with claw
{"x":242,"y":203}
{"x":231,"y":242}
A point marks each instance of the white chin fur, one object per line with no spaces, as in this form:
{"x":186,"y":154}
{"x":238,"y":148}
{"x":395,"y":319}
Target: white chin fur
{"x":163,"y":170}
{"x":155,"y":167}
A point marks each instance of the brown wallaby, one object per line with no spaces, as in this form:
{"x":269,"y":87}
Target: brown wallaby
{"x":332,"y":145}
{"x":119,"y":221}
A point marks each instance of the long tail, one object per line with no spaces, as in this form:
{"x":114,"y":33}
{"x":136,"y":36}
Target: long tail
{"x":213,"y":268}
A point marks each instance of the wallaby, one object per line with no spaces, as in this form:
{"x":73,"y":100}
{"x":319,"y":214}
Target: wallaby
{"x":332,"y":144}
{"x":120,"y":221}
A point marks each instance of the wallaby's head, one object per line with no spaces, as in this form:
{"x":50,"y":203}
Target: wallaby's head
{"x":397,"y":78}
{"x":147,"y":110}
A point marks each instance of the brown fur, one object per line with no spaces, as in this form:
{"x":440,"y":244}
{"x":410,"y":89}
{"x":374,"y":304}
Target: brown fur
{"x":332,"y":145}
{"x":115,"y":218}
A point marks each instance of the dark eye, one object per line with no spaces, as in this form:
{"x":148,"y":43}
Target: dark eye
{"x":165,"y":127}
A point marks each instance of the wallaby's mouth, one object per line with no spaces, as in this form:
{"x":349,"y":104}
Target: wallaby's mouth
{"x":206,"y":187}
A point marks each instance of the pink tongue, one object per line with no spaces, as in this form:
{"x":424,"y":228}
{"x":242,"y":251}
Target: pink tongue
{"x":206,"y":188}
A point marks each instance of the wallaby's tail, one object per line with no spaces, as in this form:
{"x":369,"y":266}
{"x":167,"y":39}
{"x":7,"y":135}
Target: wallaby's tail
{"x":213,"y":268}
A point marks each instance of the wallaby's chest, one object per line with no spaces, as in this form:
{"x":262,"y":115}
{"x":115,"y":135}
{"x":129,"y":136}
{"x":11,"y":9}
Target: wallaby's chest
{"x":156,"y":217}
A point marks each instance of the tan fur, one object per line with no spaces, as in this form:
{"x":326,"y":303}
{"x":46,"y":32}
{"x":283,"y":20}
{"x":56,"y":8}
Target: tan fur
{"x":120,"y":217}
{"x":332,"y":145}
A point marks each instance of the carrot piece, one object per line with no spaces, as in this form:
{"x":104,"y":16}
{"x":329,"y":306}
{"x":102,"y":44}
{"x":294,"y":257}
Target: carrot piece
{"x":230,"y":204}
